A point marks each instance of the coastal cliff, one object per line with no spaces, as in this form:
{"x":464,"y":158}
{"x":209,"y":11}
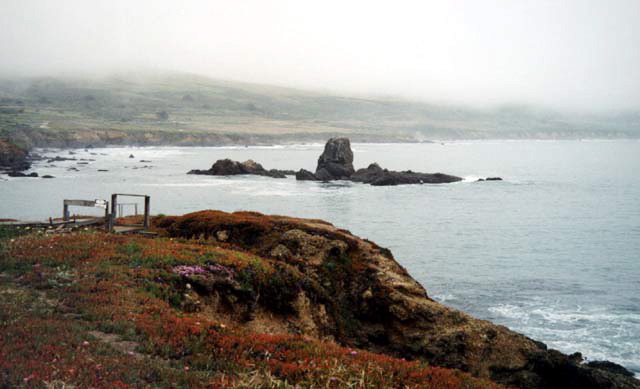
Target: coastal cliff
{"x":361,"y":297}
{"x":248,"y":300}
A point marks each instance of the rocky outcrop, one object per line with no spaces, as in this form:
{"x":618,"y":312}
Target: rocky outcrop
{"x":375,"y":175}
{"x":336,"y":161}
{"x":12,"y":157}
{"x":21,"y":174}
{"x":340,"y":287}
{"x":305,"y":175}
{"x":227,"y":167}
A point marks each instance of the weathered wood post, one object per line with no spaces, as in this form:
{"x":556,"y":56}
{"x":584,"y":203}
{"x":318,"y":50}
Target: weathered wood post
{"x":147,"y":203}
{"x":65,"y":211}
{"x":114,"y":210}
{"x":106,"y":215}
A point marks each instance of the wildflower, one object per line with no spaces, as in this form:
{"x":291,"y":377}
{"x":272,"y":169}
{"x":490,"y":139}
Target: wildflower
{"x":353,"y":352}
{"x":85,"y":343}
{"x":222,"y":325}
{"x":186,"y":368}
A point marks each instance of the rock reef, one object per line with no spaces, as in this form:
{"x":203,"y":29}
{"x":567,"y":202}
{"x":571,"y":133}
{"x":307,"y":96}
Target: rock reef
{"x":377,"y":176}
{"x":227,"y":167}
{"x":335,"y":163}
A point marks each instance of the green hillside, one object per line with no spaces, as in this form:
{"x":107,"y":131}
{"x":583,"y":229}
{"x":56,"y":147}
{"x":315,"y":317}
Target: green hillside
{"x":193,"y":104}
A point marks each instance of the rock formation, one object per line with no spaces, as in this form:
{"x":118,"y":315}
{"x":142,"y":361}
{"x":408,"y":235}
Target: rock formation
{"x":227,"y":167}
{"x":375,"y":175}
{"x":305,"y":175}
{"x":352,"y":291}
{"x":21,"y":174}
{"x":12,"y":157}
{"x":336,"y":161}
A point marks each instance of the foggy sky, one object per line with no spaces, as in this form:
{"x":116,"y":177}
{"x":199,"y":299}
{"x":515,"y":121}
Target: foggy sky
{"x":579,"y":55}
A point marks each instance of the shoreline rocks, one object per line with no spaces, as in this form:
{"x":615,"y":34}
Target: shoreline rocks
{"x":227,"y":167}
{"x":335,"y":163}
{"x":377,"y":176}
{"x":20,"y":174}
{"x":12,"y":157}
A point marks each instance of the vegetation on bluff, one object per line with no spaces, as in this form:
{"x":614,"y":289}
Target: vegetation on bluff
{"x":247,"y":300}
{"x":89,"y":309}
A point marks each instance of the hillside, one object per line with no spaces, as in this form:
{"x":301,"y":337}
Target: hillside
{"x":247,"y":300}
{"x":190,"y":110}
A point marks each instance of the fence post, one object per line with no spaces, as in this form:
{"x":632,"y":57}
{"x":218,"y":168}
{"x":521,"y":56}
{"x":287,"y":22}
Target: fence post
{"x":114,"y":210}
{"x":147,"y":203}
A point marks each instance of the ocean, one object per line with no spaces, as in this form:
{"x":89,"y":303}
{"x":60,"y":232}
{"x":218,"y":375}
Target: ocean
{"x":553,"y":251}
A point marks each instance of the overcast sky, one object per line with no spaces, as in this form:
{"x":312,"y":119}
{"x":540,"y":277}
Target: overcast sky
{"x":562,"y":53}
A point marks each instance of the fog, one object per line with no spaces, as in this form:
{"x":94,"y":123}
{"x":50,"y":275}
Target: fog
{"x":574,"y":55}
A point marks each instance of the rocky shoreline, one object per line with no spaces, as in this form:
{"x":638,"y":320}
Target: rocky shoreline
{"x":86,"y":138}
{"x":13,"y":159}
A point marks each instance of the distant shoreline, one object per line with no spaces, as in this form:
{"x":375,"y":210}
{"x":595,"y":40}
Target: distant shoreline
{"x":31,"y":138}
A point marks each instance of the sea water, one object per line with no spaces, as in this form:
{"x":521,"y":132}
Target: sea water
{"x":553,"y":251}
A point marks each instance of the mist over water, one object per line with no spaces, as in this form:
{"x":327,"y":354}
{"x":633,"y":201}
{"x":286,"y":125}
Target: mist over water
{"x":551,"y":251}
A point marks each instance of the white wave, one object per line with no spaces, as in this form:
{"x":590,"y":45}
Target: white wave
{"x":444,"y":297}
{"x":598,"y":333}
{"x":510,"y":311}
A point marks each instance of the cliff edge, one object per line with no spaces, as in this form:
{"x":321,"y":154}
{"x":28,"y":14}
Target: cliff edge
{"x":246,"y":300}
{"x":356,"y":294}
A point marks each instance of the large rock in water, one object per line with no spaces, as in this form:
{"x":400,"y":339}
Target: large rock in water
{"x":305,"y":175}
{"x":375,"y":175}
{"x":336,"y":162}
{"x":352,"y":291}
{"x":12,"y":157}
{"x":227,"y":167}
